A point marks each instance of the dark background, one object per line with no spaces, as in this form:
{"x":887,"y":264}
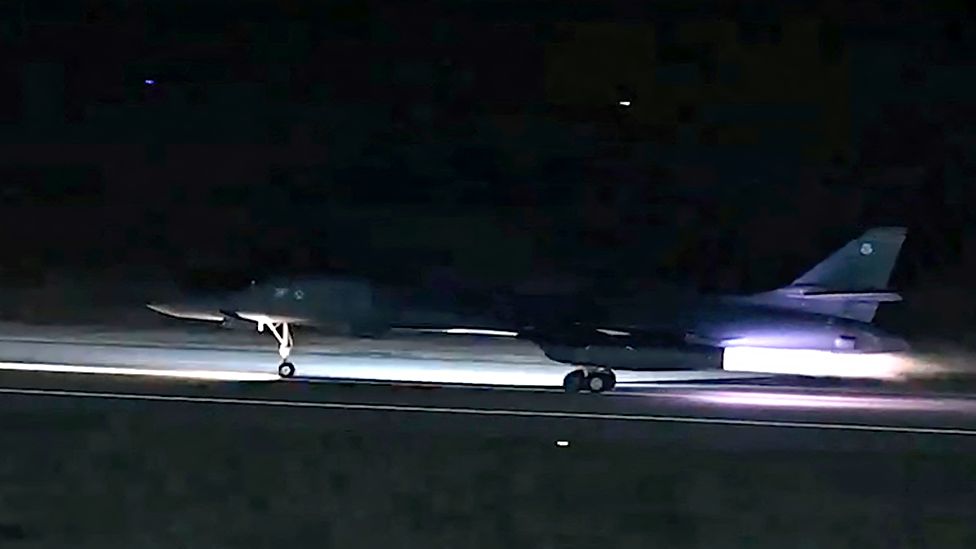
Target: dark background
{"x":481,"y":142}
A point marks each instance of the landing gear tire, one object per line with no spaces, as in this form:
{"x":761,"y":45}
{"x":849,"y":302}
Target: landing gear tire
{"x":593,"y":381}
{"x":598,"y":382}
{"x":286,"y":369}
{"x":573,"y":381}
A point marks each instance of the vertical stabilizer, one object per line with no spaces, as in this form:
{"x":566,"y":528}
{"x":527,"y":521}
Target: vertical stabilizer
{"x":851,"y":282}
{"x":864,"y":263}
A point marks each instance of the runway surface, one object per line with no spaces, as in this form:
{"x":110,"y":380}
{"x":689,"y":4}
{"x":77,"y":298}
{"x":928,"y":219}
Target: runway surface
{"x":240,"y":384}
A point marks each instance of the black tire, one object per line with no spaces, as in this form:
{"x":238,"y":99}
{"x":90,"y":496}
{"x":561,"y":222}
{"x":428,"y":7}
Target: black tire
{"x":286,"y":369}
{"x":573,"y":381}
{"x":596,"y":382}
{"x":601,"y":382}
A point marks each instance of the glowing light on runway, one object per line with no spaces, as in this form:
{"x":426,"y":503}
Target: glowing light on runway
{"x":816,"y":363}
{"x":851,"y":402}
{"x":775,"y":400}
{"x":209,"y":375}
{"x":562,"y":443}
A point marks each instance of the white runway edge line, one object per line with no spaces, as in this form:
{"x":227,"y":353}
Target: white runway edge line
{"x":493,"y":412}
{"x":206,"y":375}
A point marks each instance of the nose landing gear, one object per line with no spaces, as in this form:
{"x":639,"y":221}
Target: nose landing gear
{"x":281,"y":332}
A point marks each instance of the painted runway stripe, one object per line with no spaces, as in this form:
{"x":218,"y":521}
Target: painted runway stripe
{"x":373,"y":407}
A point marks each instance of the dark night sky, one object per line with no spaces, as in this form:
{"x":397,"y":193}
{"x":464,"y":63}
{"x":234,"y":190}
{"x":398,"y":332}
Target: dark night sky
{"x":482,"y":138}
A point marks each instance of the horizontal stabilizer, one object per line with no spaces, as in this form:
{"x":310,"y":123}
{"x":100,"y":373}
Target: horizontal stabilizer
{"x":864,"y":296}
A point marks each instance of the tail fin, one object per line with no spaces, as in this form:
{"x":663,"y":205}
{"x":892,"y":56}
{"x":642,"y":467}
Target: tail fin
{"x":851,"y":283}
{"x":865,"y":263}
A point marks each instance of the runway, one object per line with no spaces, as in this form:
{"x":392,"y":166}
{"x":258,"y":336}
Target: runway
{"x":506,"y":390}
{"x":93,"y":459}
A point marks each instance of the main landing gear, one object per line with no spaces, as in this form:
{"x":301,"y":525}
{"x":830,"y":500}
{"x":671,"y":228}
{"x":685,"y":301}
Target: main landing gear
{"x":282,"y":333}
{"x":594,"y":381}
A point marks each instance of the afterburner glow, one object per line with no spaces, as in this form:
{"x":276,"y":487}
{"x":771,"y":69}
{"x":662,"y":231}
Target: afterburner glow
{"x":211,"y":375}
{"x":816,"y":363}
